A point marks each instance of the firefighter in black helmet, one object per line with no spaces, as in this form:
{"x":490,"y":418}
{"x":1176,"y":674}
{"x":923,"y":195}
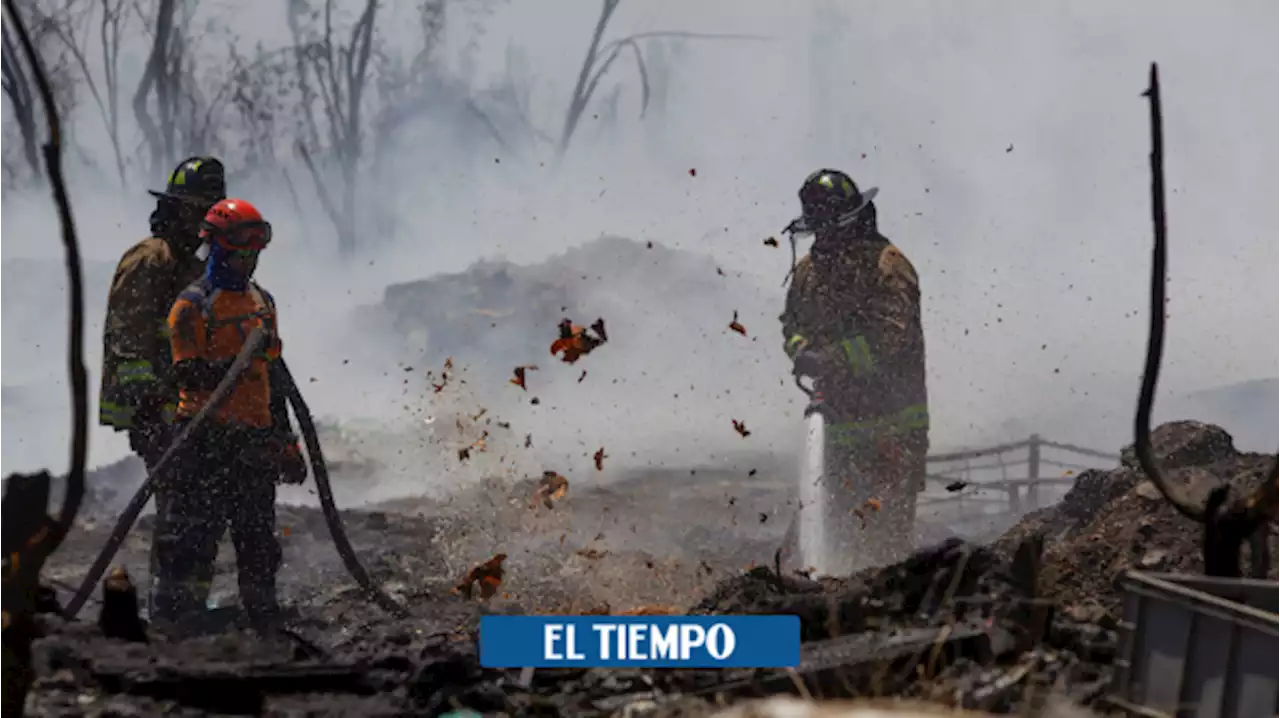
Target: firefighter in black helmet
{"x":852,"y":323}
{"x":136,"y":395}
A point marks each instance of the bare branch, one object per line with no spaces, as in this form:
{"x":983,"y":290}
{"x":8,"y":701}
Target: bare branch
{"x":578,"y":101}
{"x":679,"y":35}
{"x":17,"y":87}
{"x":1228,"y":525}
{"x":153,"y":77}
{"x":326,"y":201}
{"x":295,"y":9}
{"x":42,"y":543}
{"x":1155,"y":338}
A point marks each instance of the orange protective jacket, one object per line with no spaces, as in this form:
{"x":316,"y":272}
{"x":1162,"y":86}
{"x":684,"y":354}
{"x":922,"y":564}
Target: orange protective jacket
{"x":209,"y":327}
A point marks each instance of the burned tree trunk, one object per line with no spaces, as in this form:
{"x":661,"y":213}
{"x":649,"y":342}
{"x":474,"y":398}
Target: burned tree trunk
{"x":1228,"y":524}
{"x":30,"y":536}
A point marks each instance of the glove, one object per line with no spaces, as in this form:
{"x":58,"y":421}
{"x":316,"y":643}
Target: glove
{"x":149,"y":436}
{"x":148,"y":441}
{"x":808,"y":364}
{"x":289,"y":464}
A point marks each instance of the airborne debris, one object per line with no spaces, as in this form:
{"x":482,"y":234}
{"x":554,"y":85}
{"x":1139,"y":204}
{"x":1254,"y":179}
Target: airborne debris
{"x":736,"y":326}
{"x":551,"y":488}
{"x":575,"y":341}
{"x":599,"y":458}
{"x":693,"y":171}
{"x":519,"y":377}
{"x":771,"y":242}
{"x":487,"y":574}
{"x":955,"y":486}
{"x":582,"y":376}
{"x":741,"y":428}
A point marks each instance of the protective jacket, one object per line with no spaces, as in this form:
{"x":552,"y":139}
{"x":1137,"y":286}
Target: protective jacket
{"x":135,"y":345}
{"x":858,"y":310}
{"x":225,"y":474}
{"x":207,"y":328}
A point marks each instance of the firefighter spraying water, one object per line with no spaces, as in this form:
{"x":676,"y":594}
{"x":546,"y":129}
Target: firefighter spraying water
{"x":852,"y":325}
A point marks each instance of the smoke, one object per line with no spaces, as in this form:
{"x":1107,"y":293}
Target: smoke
{"x":1009,"y":143}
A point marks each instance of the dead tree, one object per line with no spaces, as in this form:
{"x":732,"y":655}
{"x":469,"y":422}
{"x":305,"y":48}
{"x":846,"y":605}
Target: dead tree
{"x":1228,"y":523}
{"x":338,"y":73}
{"x":160,"y":77}
{"x":18,"y":88}
{"x":600,"y":57}
{"x":248,"y":96}
{"x":30,"y":535}
{"x":404,"y":89}
{"x":72,"y":35}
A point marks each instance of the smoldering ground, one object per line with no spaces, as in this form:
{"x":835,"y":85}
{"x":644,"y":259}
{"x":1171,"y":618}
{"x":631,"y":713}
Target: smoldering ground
{"x":1009,"y":145}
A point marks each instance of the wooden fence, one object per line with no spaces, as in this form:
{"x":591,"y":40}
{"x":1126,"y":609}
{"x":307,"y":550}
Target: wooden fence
{"x":1018,"y":473}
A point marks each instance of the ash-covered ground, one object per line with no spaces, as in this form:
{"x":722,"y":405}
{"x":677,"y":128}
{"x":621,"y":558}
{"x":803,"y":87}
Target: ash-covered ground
{"x":700,"y":543}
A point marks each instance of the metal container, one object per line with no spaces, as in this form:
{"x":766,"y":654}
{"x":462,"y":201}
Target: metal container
{"x":1197,"y":646}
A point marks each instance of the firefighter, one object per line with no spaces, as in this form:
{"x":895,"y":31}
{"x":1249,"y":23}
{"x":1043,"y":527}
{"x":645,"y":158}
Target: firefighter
{"x":136,"y":395}
{"x":852,"y":323}
{"x":135,"y":352}
{"x":226,"y":472}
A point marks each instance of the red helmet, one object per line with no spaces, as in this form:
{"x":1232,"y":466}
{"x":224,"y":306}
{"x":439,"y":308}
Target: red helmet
{"x":236,"y":225}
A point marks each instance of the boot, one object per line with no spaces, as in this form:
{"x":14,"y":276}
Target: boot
{"x":261,"y":607}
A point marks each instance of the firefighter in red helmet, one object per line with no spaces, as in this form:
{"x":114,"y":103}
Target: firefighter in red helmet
{"x":226,"y":472}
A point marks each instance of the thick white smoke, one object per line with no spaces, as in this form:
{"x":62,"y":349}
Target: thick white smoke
{"x":1009,"y":143}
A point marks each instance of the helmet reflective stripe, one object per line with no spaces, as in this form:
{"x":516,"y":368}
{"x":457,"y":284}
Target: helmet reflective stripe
{"x":179,"y":176}
{"x":846,"y":187}
{"x":795,"y":344}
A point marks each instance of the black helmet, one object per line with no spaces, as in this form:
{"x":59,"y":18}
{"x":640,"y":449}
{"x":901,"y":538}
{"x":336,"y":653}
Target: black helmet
{"x":197,"y":178}
{"x":829,"y":198}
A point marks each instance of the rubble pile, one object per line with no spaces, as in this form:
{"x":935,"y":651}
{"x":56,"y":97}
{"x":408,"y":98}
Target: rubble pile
{"x":1112,"y":521}
{"x":956,"y":624}
{"x":956,"y":610}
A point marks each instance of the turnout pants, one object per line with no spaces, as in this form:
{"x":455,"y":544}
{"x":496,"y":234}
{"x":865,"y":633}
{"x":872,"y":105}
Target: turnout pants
{"x":221,"y":480}
{"x":149,"y":443}
{"x":879,"y":476}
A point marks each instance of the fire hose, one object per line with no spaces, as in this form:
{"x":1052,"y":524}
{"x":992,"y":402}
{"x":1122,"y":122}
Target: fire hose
{"x":127,"y":519}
